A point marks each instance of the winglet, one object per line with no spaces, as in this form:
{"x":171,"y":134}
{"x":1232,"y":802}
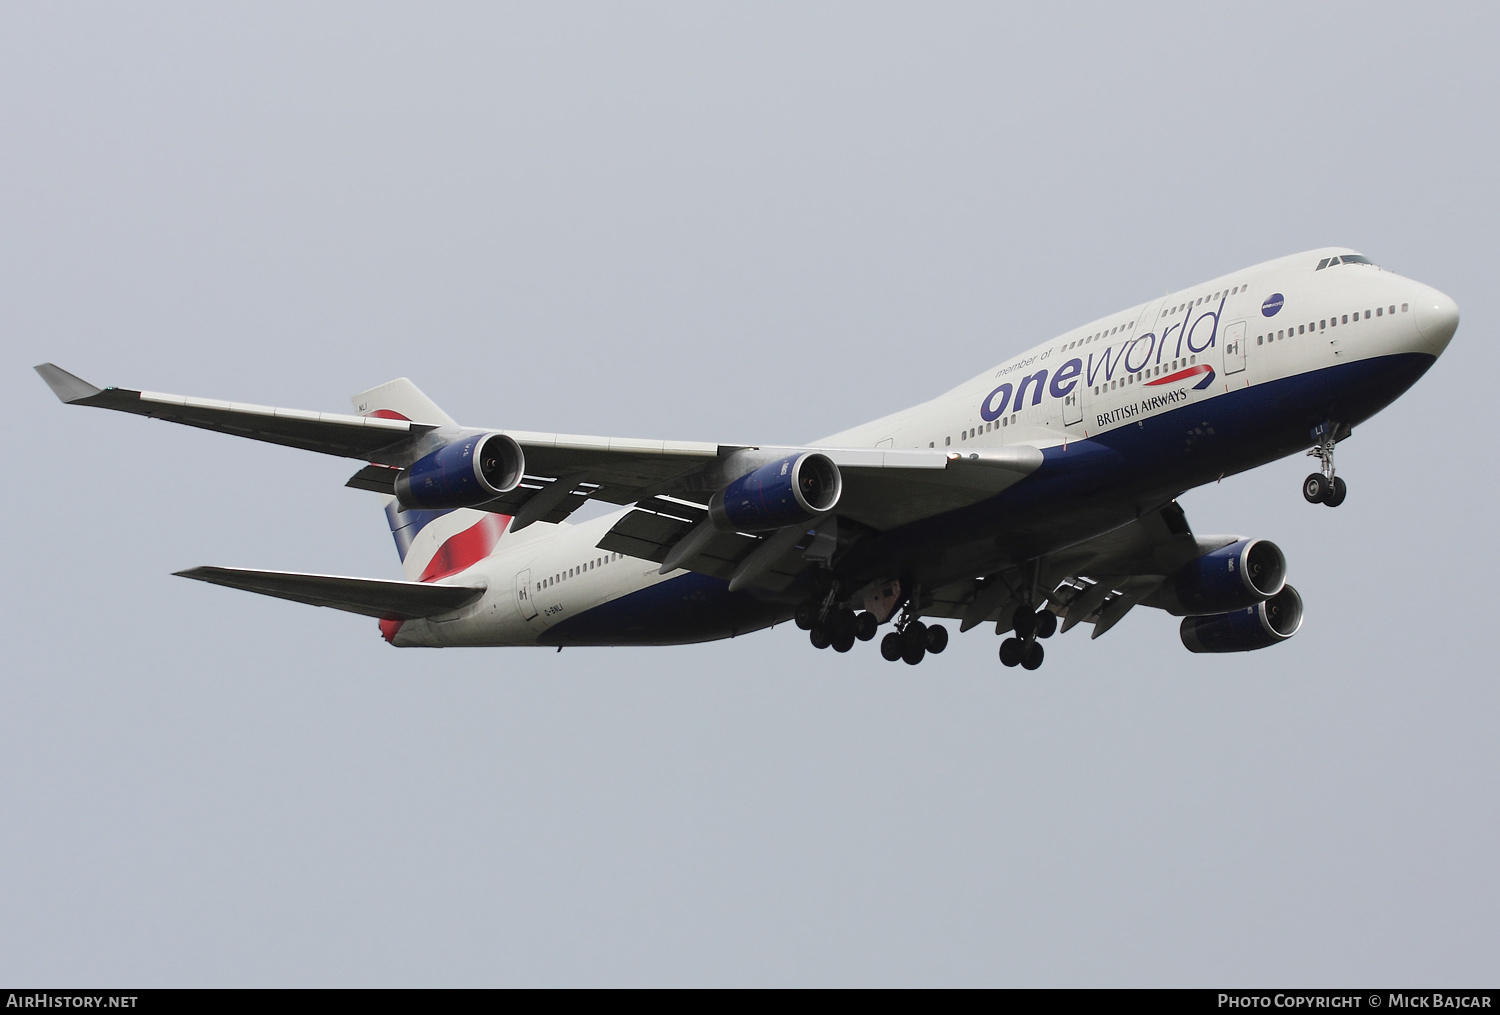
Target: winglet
{"x":64,"y":385}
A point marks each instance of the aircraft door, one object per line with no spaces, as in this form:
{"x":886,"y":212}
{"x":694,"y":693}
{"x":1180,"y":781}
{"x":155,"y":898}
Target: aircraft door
{"x":524,"y":601}
{"x":1234,"y":347}
{"x":1073,"y":405}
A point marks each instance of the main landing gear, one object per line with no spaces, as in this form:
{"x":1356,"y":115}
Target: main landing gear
{"x":831,"y":626}
{"x":828,"y":625}
{"x":912,"y":640}
{"x":1023,"y":649}
{"x":1324,"y":487}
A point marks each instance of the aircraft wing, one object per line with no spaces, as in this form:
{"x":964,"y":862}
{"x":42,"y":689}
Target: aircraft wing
{"x":372,"y":597}
{"x":1098,"y":580}
{"x":883,"y":487}
{"x":330,"y":433}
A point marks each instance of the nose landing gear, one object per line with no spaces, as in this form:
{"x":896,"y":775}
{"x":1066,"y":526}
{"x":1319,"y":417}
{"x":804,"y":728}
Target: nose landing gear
{"x":1325,"y":487}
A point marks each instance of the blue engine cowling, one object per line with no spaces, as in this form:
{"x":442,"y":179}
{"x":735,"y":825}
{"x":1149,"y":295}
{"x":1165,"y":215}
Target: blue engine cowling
{"x":787,"y":491}
{"x":463,"y":474}
{"x":1230,"y":578}
{"x":1261,"y":625}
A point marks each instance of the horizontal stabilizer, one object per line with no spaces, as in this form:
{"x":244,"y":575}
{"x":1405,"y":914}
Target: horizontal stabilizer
{"x":372,"y":597}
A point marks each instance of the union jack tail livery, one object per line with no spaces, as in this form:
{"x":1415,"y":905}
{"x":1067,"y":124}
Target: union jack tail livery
{"x":432,"y":544}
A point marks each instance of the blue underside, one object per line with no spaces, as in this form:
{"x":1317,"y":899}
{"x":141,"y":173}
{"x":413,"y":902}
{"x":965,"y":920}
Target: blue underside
{"x":1088,"y":487}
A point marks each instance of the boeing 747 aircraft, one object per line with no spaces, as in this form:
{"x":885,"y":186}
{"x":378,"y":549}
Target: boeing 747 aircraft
{"x":1036,"y":496}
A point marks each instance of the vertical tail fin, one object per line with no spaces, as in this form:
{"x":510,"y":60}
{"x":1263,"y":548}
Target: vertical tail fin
{"x":400,"y":399}
{"x":432,"y":544}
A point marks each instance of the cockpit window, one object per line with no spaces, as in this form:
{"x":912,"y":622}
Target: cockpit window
{"x":1329,"y":262}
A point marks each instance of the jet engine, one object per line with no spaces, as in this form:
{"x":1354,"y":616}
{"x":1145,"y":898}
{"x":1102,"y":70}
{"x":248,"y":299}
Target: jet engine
{"x":787,"y":491}
{"x":1232,"y":577}
{"x":1267,"y":623}
{"x":463,"y":474}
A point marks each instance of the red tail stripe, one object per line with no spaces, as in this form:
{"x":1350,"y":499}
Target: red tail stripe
{"x":465,"y":549}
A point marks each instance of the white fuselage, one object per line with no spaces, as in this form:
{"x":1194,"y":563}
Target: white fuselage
{"x":1270,"y":323}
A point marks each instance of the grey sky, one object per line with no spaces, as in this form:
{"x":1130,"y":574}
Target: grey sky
{"x":739,"y":223}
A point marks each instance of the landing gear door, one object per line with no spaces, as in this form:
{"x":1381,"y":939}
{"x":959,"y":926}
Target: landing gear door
{"x":524,"y":602}
{"x":1234,"y":347}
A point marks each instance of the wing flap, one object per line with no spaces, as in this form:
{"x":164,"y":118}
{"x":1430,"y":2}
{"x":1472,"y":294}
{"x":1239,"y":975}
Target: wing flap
{"x":372,"y":597}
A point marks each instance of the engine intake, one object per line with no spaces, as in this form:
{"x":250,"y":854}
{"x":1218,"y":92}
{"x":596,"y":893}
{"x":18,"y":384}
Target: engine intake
{"x":463,"y":474}
{"x":789,"y":490}
{"x":1259,"y":626}
{"x":1230,"y":578}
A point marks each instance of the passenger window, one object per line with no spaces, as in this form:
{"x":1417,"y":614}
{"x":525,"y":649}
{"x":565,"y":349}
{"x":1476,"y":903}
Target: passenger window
{"x":1378,"y":311}
{"x":947,"y":441}
{"x":1403,"y":307}
{"x":1367,"y":315}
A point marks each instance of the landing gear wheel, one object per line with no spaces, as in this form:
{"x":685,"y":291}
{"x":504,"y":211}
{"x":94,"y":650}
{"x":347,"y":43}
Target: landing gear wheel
{"x":891,"y":647}
{"x":843,"y":642}
{"x":865,"y":626}
{"x":1024,"y":623}
{"x":806,"y":615}
{"x":915,"y":636}
{"x":1315,"y":488}
{"x":820,"y":637}
{"x":1046,"y":623}
{"x":913,"y":655}
{"x":1011,"y":650}
{"x":937,"y":638}
{"x":1337,"y":494}
{"x":1033,"y":657}
{"x":842,"y":624}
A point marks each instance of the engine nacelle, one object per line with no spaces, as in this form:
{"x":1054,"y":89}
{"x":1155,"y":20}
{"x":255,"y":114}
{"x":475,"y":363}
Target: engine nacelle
{"x":1230,"y":578}
{"x":463,"y":474}
{"x":1267,"y":623}
{"x":793,"y":489}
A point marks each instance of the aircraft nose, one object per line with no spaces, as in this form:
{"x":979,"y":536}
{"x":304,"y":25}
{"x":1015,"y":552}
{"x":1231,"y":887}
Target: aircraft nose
{"x":1437,"y":318}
